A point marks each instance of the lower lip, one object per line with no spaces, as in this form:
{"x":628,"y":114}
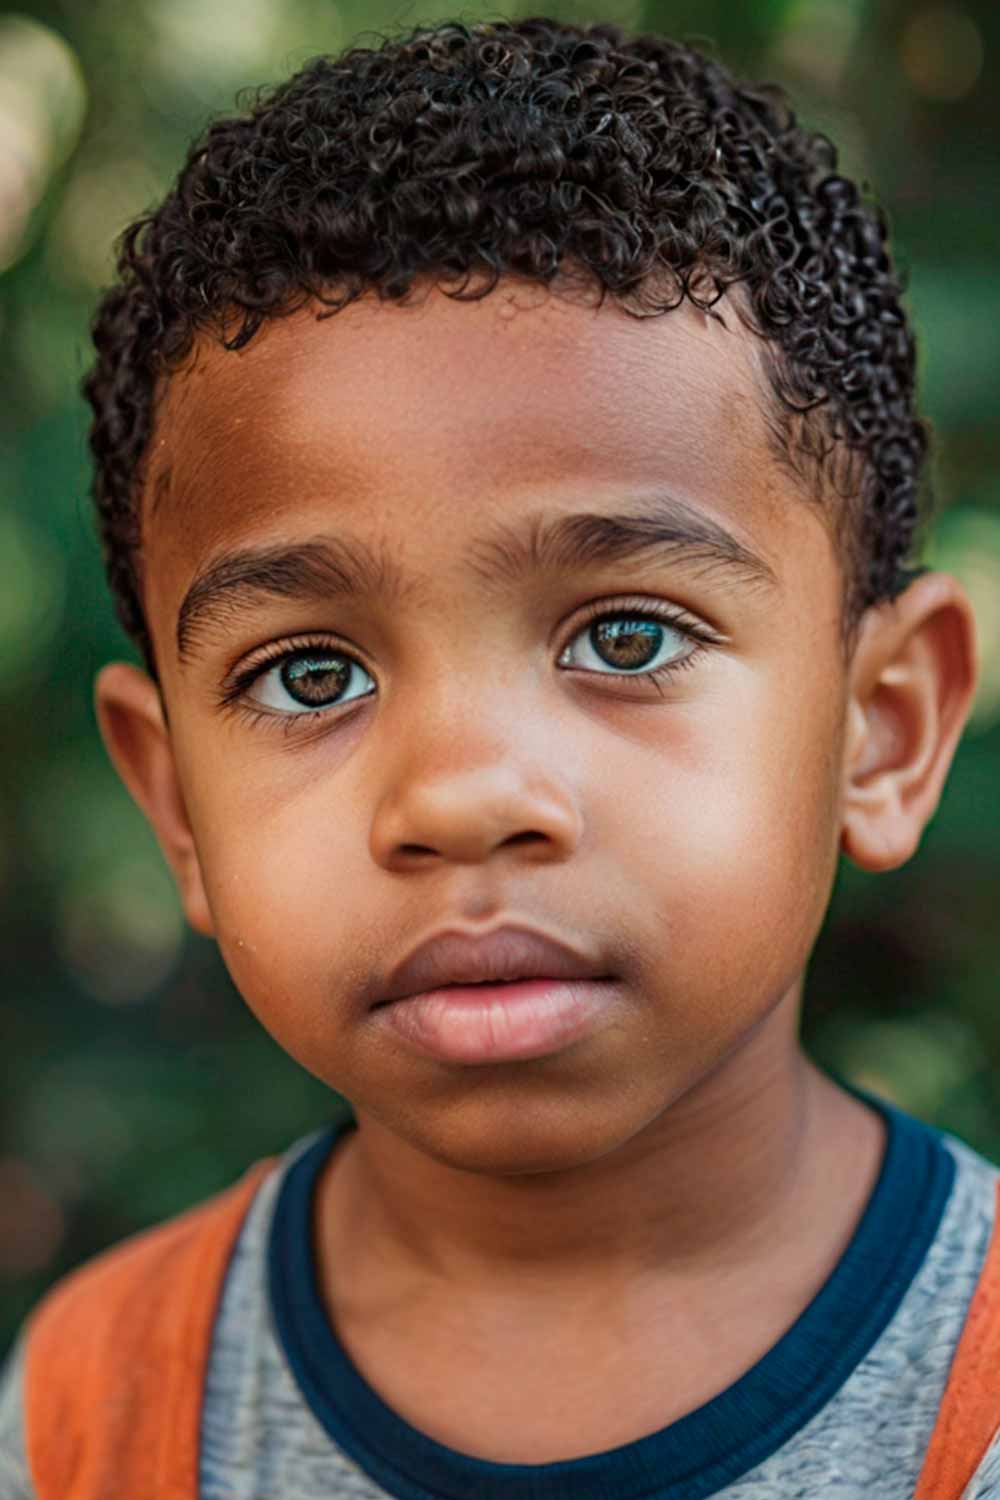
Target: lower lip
{"x":486,"y":1023}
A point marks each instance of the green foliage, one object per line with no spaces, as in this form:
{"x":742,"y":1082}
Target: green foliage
{"x":136,"y":1081}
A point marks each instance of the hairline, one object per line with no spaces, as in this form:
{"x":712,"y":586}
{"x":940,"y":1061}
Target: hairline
{"x":840,"y":514}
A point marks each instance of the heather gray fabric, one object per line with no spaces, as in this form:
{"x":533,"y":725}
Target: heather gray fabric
{"x":14,"y":1481}
{"x":260,"y":1440}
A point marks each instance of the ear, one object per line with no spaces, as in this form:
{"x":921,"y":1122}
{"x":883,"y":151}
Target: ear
{"x":132,"y":724}
{"x":910,"y":686}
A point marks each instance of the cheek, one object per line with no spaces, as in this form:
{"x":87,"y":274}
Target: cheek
{"x":287,"y":895}
{"x":738,"y":840}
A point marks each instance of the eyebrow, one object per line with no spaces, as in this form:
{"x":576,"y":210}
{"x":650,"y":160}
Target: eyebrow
{"x":324,"y":567}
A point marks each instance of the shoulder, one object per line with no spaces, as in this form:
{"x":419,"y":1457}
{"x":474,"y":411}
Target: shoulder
{"x":972,"y":1217}
{"x":139,"y":1270}
{"x":974,"y":1162}
{"x":127,"y":1335}
{"x":968,"y":1420}
{"x":985,"y":1482}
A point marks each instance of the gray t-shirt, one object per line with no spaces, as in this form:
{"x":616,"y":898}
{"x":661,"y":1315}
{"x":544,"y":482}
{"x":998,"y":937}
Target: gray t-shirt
{"x":843,"y":1404}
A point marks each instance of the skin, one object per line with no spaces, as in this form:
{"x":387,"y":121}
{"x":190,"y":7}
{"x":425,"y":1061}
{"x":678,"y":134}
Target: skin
{"x":656,"y":1204}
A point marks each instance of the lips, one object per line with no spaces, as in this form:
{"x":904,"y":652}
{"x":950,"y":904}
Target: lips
{"x":507,"y":953}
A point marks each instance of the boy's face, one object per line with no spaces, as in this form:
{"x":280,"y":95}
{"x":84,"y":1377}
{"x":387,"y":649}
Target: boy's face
{"x":681,"y":832}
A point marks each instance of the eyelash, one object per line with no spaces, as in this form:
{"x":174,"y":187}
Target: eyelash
{"x":232,"y":694}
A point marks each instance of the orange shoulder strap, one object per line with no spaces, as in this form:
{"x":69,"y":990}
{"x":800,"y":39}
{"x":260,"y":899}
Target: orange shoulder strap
{"x":969,"y":1415}
{"x":117,"y":1354}
{"x":116,"y":1359}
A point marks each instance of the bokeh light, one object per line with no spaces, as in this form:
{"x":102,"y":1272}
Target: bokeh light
{"x":817,"y":39}
{"x":120,"y":929}
{"x":197,"y":46}
{"x":32,"y":594}
{"x":99,"y":200}
{"x":78,"y":1123}
{"x":914,"y":1062}
{"x":942,"y":52}
{"x":32,"y":1223}
{"x":42,"y":104}
{"x":968,"y":545}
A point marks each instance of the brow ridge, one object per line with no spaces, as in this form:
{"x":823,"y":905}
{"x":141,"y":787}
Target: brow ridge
{"x":329,"y":566}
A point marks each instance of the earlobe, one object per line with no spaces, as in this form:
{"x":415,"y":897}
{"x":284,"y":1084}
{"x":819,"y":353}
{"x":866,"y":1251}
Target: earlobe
{"x":912,"y":680}
{"x":130,"y":717}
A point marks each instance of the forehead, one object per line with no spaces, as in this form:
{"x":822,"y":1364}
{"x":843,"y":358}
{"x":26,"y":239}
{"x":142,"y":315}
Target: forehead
{"x":423,"y":416}
{"x":544,"y":384}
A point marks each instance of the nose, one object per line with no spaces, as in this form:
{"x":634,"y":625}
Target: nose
{"x":461,"y":797}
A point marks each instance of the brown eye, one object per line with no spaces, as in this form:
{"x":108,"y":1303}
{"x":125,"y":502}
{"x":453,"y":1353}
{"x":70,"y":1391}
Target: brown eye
{"x":306,"y":680}
{"x":630,"y":646}
{"x":639,"y":640}
{"x":629,"y":642}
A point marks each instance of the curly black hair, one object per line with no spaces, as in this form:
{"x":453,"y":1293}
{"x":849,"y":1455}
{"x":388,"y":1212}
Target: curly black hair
{"x":558,"y":153}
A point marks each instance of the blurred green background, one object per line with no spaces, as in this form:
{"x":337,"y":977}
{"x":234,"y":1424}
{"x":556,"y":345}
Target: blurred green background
{"x":135,"y":1082}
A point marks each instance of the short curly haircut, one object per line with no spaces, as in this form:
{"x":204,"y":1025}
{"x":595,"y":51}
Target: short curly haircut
{"x":553,"y":152}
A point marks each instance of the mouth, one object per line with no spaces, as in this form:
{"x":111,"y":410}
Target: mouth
{"x":458,"y":986}
{"x":456,"y":960}
{"x":474,"y":990}
{"x":492,"y":1021}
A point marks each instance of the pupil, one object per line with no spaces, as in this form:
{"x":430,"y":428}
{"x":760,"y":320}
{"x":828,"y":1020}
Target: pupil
{"x":629,"y":643}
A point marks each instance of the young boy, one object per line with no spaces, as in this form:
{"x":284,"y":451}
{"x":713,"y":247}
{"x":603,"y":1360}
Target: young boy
{"x":519,"y":660}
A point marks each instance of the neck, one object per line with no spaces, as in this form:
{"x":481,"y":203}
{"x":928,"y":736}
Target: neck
{"x":766,"y":1152}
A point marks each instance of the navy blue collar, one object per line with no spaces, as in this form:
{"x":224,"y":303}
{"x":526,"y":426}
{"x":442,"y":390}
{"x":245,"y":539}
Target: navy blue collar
{"x":694,"y":1456}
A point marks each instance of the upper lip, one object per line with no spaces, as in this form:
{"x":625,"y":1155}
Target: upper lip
{"x":505,"y":953}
